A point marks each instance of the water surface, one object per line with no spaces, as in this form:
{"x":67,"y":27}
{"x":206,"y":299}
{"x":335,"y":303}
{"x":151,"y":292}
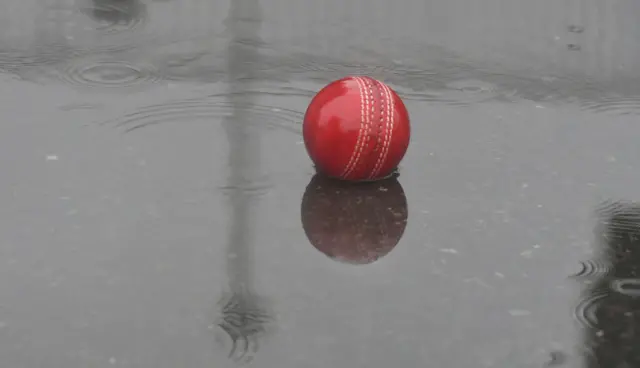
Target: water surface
{"x":159,"y":208}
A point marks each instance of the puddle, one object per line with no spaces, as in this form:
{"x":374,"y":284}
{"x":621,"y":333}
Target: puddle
{"x":160,"y":209}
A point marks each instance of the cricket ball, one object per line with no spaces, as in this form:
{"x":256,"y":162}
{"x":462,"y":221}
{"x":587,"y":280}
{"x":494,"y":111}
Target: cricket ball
{"x":354,"y":224}
{"x":356,"y":129}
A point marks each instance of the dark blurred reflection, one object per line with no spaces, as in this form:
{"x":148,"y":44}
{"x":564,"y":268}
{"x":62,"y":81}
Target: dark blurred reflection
{"x":354,"y":223}
{"x":610,"y":308}
{"x":117,"y":12}
{"x":244,"y":314}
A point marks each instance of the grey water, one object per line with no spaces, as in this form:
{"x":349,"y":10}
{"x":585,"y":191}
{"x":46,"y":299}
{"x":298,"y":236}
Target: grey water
{"x":158,"y":208}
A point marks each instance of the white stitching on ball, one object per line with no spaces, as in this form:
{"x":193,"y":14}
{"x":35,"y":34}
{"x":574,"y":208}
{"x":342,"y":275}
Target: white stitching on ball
{"x":389,"y":122}
{"x":349,"y":167}
{"x":365,"y":125}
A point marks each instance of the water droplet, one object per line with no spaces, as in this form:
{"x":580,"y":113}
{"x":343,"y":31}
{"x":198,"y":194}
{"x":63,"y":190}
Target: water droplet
{"x":575,"y":28}
{"x":519,"y":312}
{"x":556,"y":358}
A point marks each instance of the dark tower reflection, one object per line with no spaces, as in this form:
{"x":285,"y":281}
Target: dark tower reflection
{"x":244,"y":316}
{"x":354,"y":223}
{"x":117,"y":12}
{"x":610,"y":308}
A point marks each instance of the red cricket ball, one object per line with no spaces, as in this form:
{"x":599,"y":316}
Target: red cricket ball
{"x":356,"y":128}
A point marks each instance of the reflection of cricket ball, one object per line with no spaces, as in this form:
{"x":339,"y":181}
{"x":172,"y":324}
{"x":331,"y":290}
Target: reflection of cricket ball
{"x":356,"y":129}
{"x":355,"y":224}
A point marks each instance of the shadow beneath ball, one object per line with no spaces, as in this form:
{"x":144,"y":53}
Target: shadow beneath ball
{"x":355,"y":223}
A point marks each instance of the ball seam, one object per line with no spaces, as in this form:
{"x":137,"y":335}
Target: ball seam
{"x":357,"y":149}
{"x":388,"y":132}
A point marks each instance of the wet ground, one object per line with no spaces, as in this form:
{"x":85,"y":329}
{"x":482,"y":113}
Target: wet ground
{"x":159,"y":209}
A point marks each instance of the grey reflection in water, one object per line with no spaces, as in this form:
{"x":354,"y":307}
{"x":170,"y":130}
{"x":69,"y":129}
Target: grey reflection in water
{"x":244,"y":315}
{"x":609,"y":310}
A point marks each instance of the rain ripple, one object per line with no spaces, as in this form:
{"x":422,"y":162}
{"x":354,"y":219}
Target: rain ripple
{"x":620,"y":105}
{"x":95,"y":26}
{"x":102,"y":26}
{"x":451,"y":83}
{"x":620,"y":219}
{"x":13,"y":60}
{"x":109,"y":74}
{"x":592,"y":268}
{"x":115,"y":16}
{"x":245,"y":321}
{"x":272,"y":90}
{"x":248,"y":187}
{"x":462,"y":93}
{"x":331,"y":69}
{"x":208,"y":108}
{"x":586,"y":310}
